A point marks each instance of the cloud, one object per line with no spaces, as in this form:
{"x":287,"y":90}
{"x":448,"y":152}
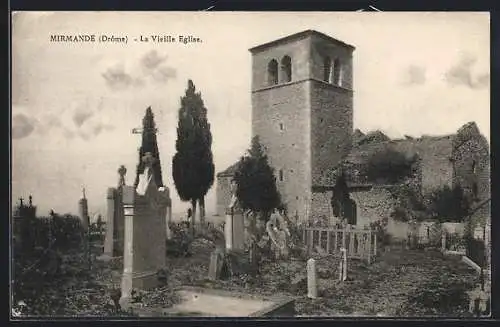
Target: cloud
{"x":80,"y":120}
{"x":101,"y":127}
{"x":118,"y":79}
{"x":461,"y":74}
{"x":69,"y":134}
{"x":152,"y":66}
{"x":164,"y":74}
{"x":152,"y":60}
{"x":414,"y":75}
{"x":22,"y":126}
{"x":81,"y":116}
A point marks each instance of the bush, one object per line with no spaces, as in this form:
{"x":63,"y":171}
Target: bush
{"x":380,"y":228}
{"x":180,"y":244}
{"x":449,"y":204}
{"x":389,"y":166}
{"x":410,"y":204}
{"x":444,"y":294}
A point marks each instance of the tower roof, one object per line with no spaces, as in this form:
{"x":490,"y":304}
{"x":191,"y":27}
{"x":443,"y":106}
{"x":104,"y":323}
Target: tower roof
{"x":297,"y":36}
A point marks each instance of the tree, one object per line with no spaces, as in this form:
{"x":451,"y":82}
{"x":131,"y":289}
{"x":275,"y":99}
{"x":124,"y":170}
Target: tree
{"x":149,"y":144}
{"x":257,"y":193}
{"x":192,"y":166}
{"x":449,"y":204}
{"x":256,"y":183}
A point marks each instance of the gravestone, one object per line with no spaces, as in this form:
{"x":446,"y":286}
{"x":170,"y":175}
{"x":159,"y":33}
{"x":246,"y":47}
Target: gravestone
{"x":115,"y":223}
{"x":234,"y":227}
{"x":145,"y":233}
{"x":234,"y":230}
{"x":343,"y":265}
{"x":443,"y":241}
{"x":312,"y":287}
{"x":216,"y":263}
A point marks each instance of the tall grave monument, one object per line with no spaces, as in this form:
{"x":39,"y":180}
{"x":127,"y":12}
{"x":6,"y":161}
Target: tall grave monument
{"x":145,"y":232}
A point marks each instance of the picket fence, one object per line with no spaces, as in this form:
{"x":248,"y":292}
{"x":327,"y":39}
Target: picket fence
{"x":359,"y":243}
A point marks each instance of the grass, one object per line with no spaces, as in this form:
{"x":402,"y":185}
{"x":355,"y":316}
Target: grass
{"x":404,"y":283}
{"x":410,"y":283}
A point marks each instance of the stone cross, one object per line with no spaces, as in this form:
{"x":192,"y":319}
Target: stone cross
{"x":122,"y":171}
{"x":21,"y":201}
{"x":312,"y":287}
{"x":140,"y":130}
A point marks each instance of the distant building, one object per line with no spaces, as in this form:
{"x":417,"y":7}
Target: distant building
{"x":302,"y":111}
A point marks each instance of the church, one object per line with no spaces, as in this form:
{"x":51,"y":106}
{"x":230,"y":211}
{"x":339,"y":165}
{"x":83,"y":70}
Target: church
{"x":302,"y":111}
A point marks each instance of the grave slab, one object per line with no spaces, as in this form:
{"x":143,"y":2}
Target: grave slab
{"x":204,"y":302}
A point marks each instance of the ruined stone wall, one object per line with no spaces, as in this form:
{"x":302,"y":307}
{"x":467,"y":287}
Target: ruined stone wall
{"x":372,"y":204}
{"x":468,"y":156}
{"x":321,"y":205}
{"x":436,"y":166}
{"x":471,"y":161}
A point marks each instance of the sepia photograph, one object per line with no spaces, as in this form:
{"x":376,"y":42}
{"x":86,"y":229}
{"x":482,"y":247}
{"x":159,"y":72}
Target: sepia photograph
{"x":250,"y":164}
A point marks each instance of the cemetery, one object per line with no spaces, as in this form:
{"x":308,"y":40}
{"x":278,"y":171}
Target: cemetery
{"x":294,"y":271}
{"x":327,"y":242}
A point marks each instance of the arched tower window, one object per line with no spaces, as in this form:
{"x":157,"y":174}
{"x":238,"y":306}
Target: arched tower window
{"x":272,"y":71}
{"x":281,"y":175}
{"x":286,"y":69}
{"x":327,"y":69}
{"x":337,"y":72}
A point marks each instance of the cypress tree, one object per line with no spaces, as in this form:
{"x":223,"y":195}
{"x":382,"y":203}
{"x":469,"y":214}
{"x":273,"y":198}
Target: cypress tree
{"x":192,"y":165}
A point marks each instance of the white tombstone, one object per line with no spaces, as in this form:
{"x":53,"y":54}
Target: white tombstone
{"x":344,"y":264}
{"x":312,"y":287}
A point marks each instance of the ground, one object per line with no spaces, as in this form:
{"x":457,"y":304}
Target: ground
{"x":399,"y":283}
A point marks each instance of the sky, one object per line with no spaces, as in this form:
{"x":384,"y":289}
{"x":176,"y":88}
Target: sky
{"x":74,"y":104}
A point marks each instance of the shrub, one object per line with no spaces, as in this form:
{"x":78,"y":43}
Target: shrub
{"x":444,"y":294}
{"x":448,"y":204}
{"x":410,"y":204}
{"x":380,"y":228}
{"x":180,"y":244}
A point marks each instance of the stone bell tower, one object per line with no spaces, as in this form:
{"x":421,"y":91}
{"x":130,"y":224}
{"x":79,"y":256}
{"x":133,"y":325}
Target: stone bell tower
{"x":302,"y":110}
